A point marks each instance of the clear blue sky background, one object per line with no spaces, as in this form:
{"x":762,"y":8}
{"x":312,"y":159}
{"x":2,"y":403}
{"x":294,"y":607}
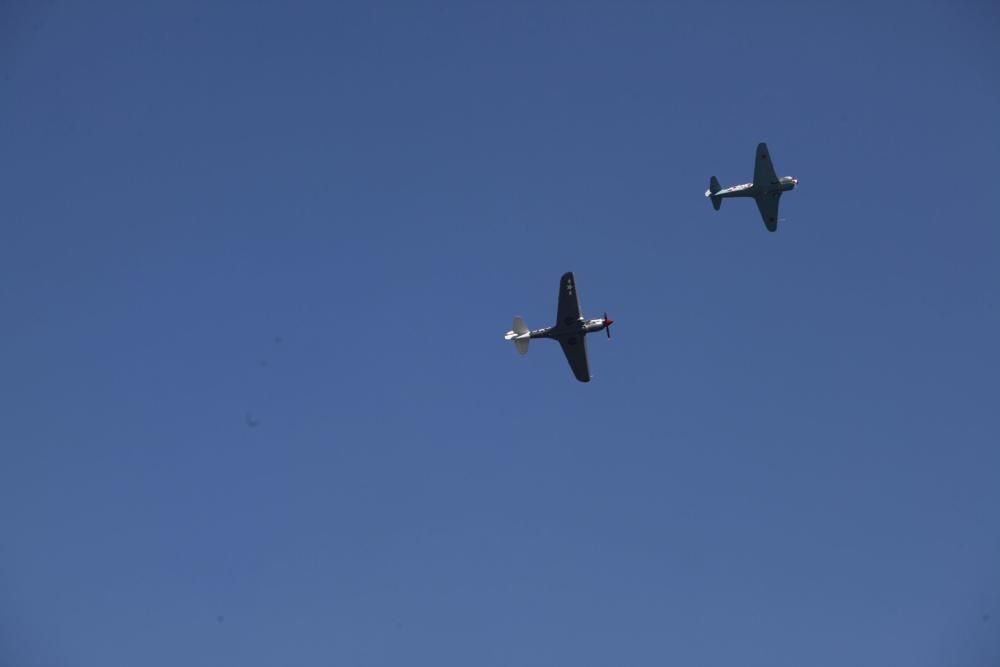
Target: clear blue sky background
{"x":324,"y":215}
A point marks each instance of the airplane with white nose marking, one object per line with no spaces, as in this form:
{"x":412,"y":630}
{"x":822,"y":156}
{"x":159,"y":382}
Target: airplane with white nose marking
{"x":766,"y":188}
{"x":570,"y":329}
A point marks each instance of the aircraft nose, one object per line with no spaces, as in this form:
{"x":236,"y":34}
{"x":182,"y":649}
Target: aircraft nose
{"x":608,"y":322}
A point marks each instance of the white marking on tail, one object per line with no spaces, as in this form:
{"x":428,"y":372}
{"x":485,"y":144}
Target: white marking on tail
{"x":520,"y":334}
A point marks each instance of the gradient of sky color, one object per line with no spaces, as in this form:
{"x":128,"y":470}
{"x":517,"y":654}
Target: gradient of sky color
{"x":319,"y":218}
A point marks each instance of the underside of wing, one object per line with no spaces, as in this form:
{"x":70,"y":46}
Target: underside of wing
{"x":569,"y":302}
{"x":768,"y":205}
{"x":763,"y":170}
{"x":575,"y":349}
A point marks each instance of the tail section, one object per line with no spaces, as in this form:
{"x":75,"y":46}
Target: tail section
{"x":713,"y":187}
{"x":520,"y":334}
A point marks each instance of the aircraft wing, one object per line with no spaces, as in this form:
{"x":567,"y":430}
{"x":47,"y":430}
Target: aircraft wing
{"x":768,"y":205}
{"x":763,"y":170}
{"x":575,"y":349}
{"x":569,"y":302}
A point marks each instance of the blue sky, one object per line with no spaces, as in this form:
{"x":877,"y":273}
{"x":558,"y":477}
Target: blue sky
{"x":324,"y":215}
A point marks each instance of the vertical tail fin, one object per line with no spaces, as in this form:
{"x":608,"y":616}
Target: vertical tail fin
{"x":713,"y":187}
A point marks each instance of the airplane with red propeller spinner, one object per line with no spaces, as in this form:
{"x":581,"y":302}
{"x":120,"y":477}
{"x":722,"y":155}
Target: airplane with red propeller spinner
{"x":569,"y":330}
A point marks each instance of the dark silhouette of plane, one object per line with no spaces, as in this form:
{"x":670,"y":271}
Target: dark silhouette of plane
{"x":570,"y":329}
{"x":766,"y":188}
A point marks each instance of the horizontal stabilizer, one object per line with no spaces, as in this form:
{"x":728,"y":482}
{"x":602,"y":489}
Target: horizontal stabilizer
{"x":713,"y":187}
{"x":520,"y":334}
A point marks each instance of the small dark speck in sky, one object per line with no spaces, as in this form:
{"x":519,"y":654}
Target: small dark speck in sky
{"x":252,"y":421}
{"x":220,"y":619}
{"x":263,"y":363}
{"x":986,"y":617}
{"x":278,"y":340}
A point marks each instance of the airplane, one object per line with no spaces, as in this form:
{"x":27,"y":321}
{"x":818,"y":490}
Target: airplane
{"x":766,"y":188}
{"x":570,"y":329}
